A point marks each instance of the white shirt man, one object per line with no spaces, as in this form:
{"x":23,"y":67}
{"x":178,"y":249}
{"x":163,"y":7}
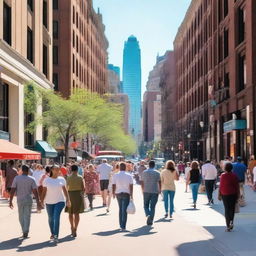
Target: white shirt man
{"x":209,"y":173}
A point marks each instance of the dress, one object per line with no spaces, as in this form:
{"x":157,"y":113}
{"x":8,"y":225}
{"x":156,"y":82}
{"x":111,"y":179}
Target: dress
{"x":91,"y":180}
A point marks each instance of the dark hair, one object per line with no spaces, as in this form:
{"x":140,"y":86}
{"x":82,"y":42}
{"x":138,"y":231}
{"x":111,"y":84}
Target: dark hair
{"x":228,"y":167}
{"x":152,"y":164}
{"x":47,"y":169}
{"x":194,"y":165}
{"x":11,"y":162}
{"x":25,"y":168}
{"x":122,"y":166}
{"x":207,"y":161}
{"x":74,"y":168}
{"x":170,"y":165}
{"x":52,"y":167}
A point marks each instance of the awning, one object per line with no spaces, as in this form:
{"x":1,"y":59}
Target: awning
{"x":10,"y":150}
{"x":46,"y":149}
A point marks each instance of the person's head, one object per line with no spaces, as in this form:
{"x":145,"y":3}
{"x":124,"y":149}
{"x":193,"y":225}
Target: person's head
{"x":170,"y":165}
{"x":47,"y":169}
{"x":207,"y":161}
{"x":91,"y":168}
{"x":194,"y":165}
{"x":252,"y":157}
{"x":11,"y":163}
{"x":228,"y":167}
{"x":239,"y":159}
{"x":74,"y":168}
{"x":152,"y":164}
{"x":55,"y":171}
{"x":104,"y":161}
{"x":117,"y":166}
{"x":25,"y":169}
{"x":188,"y":164}
{"x":122,"y":166}
{"x":142,"y":162}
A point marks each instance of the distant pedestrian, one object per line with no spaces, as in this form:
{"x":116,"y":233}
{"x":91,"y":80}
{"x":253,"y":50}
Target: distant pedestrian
{"x":91,"y":179}
{"x":229,"y":194}
{"x":123,"y":190}
{"x":168,"y":176}
{"x":55,"y":195}
{"x":75,"y":186}
{"x":142,"y":167}
{"x":187,"y":170}
{"x":151,"y":187}
{"x":10,"y":173}
{"x":251,"y":166}
{"x":104,"y":171}
{"x":24,"y":185}
{"x":194,"y":180}
{"x":38,"y":173}
{"x":209,"y":174}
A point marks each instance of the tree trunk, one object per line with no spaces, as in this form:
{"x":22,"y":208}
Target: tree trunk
{"x":66,"y":147}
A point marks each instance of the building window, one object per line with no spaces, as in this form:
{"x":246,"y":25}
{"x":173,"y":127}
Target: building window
{"x":7,"y":24}
{"x":226,"y":42}
{"x":55,"y":80}
{"x":241,"y":73}
{"x":73,"y":64}
{"x":30,"y":45}
{"x":77,"y":68}
{"x":55,"y":54}
{"x":4,"y":111}
{"x":45,"y":60}
{"x":225,"y":8}
{"x":30,"y":5}
{"x":29,"y":137}
{"x":74,"y":15}
{"x":77,"y":19}
{"x":77,"y":44}
{"x":241,"y":25}
{"x":45,"y":15}
{"x":55,"y":29}
{"x":55,"y":4}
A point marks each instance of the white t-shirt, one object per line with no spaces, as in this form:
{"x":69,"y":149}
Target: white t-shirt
{"x":54,"y":193}
{"x":254,"y":174}
{"x":38,"y":174}
{"x":122,"y":180}
{"x":209,"y":171}
{"x":187,"y":170}
{"x":104,"y":170}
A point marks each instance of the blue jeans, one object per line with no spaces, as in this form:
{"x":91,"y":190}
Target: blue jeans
{"x":194,"y":188}
{"x":168,"y":200}
{"x":54,"y":211}
{"x":123,"y":202}
{"x":150,"y":201}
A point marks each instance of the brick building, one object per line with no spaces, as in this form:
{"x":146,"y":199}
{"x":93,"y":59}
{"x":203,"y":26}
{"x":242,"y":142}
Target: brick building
{"x":215,"y":56}
{"x":79,"y":47}
{"x":25,"y":55}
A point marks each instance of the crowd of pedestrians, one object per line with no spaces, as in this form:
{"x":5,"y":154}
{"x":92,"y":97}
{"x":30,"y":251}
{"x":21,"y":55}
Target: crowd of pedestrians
{"x":57,"y":188}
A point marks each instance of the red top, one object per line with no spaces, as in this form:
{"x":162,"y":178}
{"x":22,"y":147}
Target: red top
{"x":229,"y":184}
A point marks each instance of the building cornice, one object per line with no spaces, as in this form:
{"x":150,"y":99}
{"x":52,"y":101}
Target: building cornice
{"x":16,"y":64}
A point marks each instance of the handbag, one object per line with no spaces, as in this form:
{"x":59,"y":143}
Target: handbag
{"x":131,"y":209}
{"x":237,"y":208}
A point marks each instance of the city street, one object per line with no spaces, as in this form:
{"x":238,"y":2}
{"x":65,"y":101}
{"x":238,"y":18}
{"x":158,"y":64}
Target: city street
{"x":190,"y":233}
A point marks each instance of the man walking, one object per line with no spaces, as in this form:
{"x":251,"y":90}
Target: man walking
{"x":151,"y":187}
{"x":209,"y":173}
{"x":123,"y":190}
{"x":141,"y":169}
{"x":24,"y":185}
{"x":104,"y":171}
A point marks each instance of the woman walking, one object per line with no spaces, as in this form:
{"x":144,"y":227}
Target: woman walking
{"x":229,"y":193}
{"x":168,"y":176}
{"x":54,"y":195}
{"x":194,"y":180}
{"x":91,"y":179}
{"x":75,"y":186}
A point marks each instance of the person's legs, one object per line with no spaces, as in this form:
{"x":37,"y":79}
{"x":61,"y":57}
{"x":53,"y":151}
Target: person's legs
{"x":232,"y":206}
{"x":211,"y":188}
{"x":50,"y":209}
{"x":147,"y":198}
{"x":21,"y":208}
{"x":119,"y":200}
{"x":56,"y":217}
{"x":208,"y":190}
{"x":71,"y":220}
{"x":109,"y":200}
{"x":153,"y":202}
{"x":226,"y":204}
{"x":171,"y":195}
{"x":194,"y":188}
{"x":77,"y":219}
{"x":166,"y":195}
{"x":105,"y":194}
{"x":27,"y":216}
{"x":90,"y":198}
{"x":125,"y":203}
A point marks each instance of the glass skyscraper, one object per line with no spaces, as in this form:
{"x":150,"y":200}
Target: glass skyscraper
{"x":132,"y":83}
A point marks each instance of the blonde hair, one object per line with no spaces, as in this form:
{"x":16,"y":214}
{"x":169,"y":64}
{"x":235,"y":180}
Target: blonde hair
{"x":194,"y":165}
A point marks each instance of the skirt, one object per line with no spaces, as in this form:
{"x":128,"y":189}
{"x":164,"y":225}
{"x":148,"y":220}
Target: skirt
{"x":77,"y":202}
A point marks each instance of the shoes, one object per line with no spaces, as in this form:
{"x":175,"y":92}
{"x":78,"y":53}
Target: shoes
{"x":194,"y":205}
{"x":55,"y":239}
{"x":170,"y":216}
{"x":166,"y":215}
{"x":25,"y":235}
{"x":51,"y":237}
{"x":107,"y":210}
{"x":231,"y":225}
{"x":149,"y":221}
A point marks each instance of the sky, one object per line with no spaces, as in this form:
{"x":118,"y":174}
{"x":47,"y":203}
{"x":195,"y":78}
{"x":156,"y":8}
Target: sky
{"x":153,"y":22}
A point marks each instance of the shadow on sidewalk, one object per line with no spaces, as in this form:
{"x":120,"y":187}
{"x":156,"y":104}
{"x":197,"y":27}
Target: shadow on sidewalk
{"x":107,"y":233}
{"x":10,"y":244}
{"x":163,"y":220}
{"x":142,"y":231}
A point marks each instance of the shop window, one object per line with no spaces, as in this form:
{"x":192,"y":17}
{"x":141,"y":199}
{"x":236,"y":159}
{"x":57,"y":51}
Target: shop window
{"x":55,"y":28}
{"x":55,"y":80}
{"x":4,"y":109}
{"x":30,"y":5}
{"x":7,"y":24}
{"x":241,"y":25}
{"x":30,"y":55}
{"x":45,"y":60}
{"x":45,"y":14}
{"x":241,"y":73}
{"x":55,"y":4}
{"x":55,"y":53}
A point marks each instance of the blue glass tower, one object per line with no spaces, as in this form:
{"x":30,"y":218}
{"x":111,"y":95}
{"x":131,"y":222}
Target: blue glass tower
{"x":132,"y":83}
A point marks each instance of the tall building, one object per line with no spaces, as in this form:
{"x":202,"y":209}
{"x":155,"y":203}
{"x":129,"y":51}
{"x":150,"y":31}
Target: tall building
{"x":132,"y":83}
{"x":113,"y":79}
{"x":79,"y":47}
{"x":216,"y":77}
{"x":25,"y":55}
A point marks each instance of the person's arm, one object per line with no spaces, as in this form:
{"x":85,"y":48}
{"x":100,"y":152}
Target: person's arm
{"x":114,"y":190}
{"x":160,"y":186}
{"x":65,"y":191}
{"x":131,"y":191}
{"x":38,"y":202}
{"x":177,"y":177}
{"x":142,"y":185}
{"x":188,"y":178}
{"x":12,"y":193}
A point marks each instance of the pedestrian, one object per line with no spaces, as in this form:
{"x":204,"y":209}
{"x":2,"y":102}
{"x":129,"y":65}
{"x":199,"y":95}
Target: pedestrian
{"x":187,"y":170}
{"x":38,"y":173}
{"x":168,"y":176}
{"x":151,"y":187}
{"x":229,"y":193}
{"x":10,"y":173}
{"x":194,"y":180}
{"x":209,"y":173}
{"x":75,"y":186}
{"x":240,"y":169}
{"x":23,"y":186}
{"x":122,"y":189}
{"x":251,"y":165}
{"x":91,"y":179}
{"x":141,"y":169}
{"x":54,"y":195}
{"x":104,"y":171}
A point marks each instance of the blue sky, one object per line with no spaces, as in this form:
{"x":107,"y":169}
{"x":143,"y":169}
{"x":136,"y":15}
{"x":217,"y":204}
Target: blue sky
{"x":153,"y":22}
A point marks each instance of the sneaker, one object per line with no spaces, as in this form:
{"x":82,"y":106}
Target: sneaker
{"x":51,"y":237}
{"x":25,"y":235}
{"x":166,"y":215}
{"x":194,"y":205}
{"x":149,"y":221}
{"x":170,"y":216}
{"x":56,"y":240}
{"x":107,"y":210}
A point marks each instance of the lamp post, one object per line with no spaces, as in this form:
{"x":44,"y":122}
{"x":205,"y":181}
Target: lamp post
{"x":189,"y":137}
{"x":201,"y":124}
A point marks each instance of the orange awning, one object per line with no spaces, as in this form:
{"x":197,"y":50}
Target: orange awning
{"x":10,"y":150}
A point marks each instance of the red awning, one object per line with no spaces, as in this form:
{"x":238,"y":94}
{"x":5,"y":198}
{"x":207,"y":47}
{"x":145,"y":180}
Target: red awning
{"x":9,"y":150}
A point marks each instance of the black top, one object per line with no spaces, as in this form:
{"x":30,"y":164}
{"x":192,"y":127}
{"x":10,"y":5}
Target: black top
{"x":195,"y":176}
